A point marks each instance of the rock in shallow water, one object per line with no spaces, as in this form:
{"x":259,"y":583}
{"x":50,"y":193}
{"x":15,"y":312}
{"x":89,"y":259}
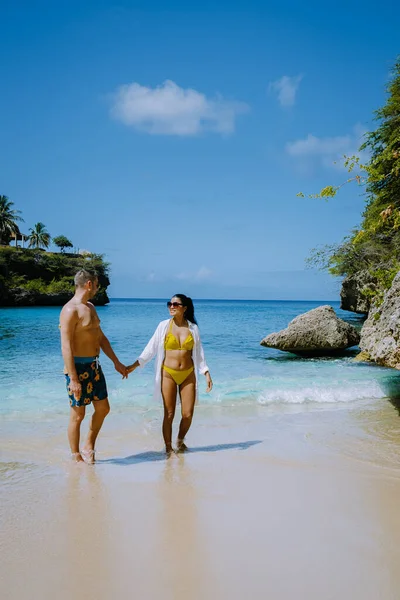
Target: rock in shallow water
{"x":318,"y":331}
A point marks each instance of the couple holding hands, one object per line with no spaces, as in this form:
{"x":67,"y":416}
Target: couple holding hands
{"x":175,"y":345}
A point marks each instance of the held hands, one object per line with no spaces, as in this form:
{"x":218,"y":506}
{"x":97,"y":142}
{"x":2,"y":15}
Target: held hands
{"x":121,"y":369}
{"x":125,"y":371}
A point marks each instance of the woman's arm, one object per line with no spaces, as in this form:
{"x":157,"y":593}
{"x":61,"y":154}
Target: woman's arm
{"x":131,"y":368}
{"x":148,"y":353}
{"x":209,"y":381}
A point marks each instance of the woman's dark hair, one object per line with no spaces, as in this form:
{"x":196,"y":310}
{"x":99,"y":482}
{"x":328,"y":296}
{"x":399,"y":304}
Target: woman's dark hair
{"x":188,"y":302}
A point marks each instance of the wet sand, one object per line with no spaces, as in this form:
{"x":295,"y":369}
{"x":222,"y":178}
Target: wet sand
{"x":264,"y":505}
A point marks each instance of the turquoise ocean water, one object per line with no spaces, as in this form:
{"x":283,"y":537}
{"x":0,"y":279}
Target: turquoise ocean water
{"x":32,"y":383}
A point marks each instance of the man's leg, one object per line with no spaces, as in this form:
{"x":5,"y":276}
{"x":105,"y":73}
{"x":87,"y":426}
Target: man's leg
{"x":101,"y":410}
{"x":77,"y":414}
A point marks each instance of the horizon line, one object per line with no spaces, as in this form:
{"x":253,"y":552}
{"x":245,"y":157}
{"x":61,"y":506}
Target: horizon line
{"x":222,"y":299}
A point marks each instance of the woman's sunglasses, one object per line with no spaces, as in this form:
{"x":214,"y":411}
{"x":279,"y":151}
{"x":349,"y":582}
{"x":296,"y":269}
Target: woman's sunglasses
{"x":173,"y":304}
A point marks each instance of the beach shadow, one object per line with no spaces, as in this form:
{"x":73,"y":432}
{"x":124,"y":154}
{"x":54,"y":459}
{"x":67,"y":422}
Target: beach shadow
{"x":218,"y":447}
{"x":142,"y":457}
{"x":153,"y":456}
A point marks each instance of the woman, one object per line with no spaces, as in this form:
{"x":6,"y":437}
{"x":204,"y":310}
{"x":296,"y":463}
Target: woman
{"x":176,"y":343}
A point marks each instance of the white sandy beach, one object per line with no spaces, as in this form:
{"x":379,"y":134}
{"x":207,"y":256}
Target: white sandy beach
{"x":263,"y":506}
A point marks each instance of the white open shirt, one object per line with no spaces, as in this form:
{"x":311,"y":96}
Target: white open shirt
{"x":155,"y":348}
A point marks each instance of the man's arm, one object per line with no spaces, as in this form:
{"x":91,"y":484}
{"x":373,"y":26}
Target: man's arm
{"x":108,"y":351}
{"x":68,"y":322}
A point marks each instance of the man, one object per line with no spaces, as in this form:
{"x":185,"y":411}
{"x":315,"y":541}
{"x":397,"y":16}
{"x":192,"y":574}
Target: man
{"x":81,"y":341}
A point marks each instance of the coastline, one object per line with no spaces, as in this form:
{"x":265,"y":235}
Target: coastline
{"x":288,"y":489}
{"x":258,"y":497}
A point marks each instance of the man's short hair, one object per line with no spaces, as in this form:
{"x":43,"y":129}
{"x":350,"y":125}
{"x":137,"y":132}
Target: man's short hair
{"x":83,"y":276}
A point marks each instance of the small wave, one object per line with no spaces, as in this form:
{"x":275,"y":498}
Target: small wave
{"x":319,"y":394}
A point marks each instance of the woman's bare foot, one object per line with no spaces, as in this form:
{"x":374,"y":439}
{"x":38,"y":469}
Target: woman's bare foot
{"x":181,"y":446}
{"x":88,"y":456}
{"x":169,"y":451}
{"x":76,"y":457}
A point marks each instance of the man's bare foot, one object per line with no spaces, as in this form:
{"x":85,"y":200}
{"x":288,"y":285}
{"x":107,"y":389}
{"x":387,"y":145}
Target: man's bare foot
{"x":76,"y":457}
{"x":88,"y":456}
{"x":181,"y":446}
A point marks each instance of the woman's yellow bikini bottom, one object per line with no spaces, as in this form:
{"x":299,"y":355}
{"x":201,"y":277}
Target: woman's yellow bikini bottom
{"x":178,"y":376}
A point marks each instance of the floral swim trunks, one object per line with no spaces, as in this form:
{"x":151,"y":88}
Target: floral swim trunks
{"x":92,"y":380}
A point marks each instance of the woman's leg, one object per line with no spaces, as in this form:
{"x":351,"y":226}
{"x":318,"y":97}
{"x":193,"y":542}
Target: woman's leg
{"x":187,"y":393}
{"x":168,"y":391}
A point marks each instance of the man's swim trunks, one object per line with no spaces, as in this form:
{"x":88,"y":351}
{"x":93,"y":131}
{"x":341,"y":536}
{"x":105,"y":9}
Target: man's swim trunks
{"x":92,"y":380}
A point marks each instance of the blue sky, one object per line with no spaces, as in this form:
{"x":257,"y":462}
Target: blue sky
{"x":173,"y":137}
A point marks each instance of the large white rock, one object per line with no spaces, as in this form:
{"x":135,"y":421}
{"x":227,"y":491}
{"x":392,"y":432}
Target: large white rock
{"x":318,"y":331}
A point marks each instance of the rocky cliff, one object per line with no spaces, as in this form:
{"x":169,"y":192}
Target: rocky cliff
{"x":380,"y":335}
{"x":38,"y":278}
{"x":357,"y":291}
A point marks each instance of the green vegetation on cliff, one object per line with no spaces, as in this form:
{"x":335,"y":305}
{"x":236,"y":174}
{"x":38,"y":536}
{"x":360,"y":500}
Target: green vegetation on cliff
{"x":374,"y":248}
{"x":34,"y":277}
{"x":39,"y":236}
{"x":9,"y":218}
{"x":62,"y":242}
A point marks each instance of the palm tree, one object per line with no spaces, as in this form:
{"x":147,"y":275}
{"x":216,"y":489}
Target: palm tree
{"x":8,"y":220}
{"x":39,"y":237}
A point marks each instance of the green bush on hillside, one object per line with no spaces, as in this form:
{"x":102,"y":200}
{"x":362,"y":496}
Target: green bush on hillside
{"x":40,"y":272}
{"x":375,"y":246}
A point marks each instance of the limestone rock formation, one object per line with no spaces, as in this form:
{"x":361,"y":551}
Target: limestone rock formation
{"x":316,"y":332}
{"x":380,"y":334}
{"x":352,"y":293}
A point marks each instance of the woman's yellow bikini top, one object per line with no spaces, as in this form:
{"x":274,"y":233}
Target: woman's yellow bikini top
{"x":171,"y":343}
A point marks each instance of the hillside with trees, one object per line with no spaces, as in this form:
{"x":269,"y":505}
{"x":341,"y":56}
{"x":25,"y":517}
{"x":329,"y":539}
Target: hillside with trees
{"x":369,"y":257}
{"x":32,"y":276}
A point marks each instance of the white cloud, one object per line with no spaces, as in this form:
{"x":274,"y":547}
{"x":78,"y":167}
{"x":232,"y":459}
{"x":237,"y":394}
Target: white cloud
{"x":286,"y":89}
{"x":203,"y":273}
{"x":171,"y":110}
{"x":326,"y":150}
{"x":182,"y":276}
